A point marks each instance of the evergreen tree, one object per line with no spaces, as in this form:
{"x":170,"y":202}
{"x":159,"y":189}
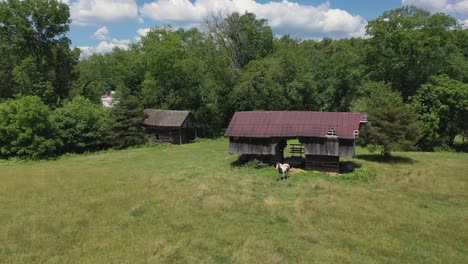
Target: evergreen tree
{"x":393,"y":125}
{"x":126,"y":122}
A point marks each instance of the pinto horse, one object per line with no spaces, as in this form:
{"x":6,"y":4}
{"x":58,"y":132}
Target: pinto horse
{"x":283,"y":169}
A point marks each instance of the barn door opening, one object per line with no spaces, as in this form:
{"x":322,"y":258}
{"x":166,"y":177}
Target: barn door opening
{"x":294,"y":153}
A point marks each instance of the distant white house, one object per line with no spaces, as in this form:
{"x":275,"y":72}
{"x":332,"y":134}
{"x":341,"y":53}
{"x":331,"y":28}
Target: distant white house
{"x":108,"y":100}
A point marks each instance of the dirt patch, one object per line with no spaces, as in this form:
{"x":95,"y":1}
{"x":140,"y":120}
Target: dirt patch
{"x":202,"y":190}
{"x":330,"y":173}
{"x":156,"y":247}
{"x":270,"y":201}
{"x":257,"y":251}
{"x":294,"y":170}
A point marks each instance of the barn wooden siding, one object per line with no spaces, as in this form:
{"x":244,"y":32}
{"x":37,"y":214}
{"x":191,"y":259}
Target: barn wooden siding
{"x":328,"y":146}
{"x":174,"y":136}
{"x":268,"y":150}
{"x":258,"y":146}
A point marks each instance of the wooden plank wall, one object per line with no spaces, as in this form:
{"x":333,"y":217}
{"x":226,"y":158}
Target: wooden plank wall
{"x":244,"y":148}
{"x":258,"y":146}
{"x":330,"y":146}
{"x":165,"y":136}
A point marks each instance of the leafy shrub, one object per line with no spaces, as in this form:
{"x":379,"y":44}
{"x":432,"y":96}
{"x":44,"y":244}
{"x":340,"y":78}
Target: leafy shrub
{"x":444,"y":148}
{"x":253,"y":164}
{"x":81,"y":125}
{"x":374,"y":148}
{"x":26,"y":129}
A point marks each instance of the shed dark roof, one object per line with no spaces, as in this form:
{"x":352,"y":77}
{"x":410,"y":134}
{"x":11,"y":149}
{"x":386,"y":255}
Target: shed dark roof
{"x":165,"y":118}
{"x":265,"y":124}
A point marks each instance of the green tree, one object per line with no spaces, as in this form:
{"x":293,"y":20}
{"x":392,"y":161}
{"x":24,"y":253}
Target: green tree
{"x":26,"y":129}
{"x":95,"y":77}
{"x":392,"y":124}
{"x":408,"y":45}
{"x":244,"y":37}
{"x":33,"y":42}
{"x":174,"y":71}
{"x":126,"y":122}
{"x":443,"y":106}
{"x":82,"y":125}
{"x":30,"y":81}
{"x":185,"y":70}
{"x":7,"y":64}
{"x":260,"y":87}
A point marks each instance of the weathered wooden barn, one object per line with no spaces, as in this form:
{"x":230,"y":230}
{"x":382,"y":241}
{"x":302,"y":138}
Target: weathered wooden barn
{"x":325,"y":136}
{"x":171,"y":126}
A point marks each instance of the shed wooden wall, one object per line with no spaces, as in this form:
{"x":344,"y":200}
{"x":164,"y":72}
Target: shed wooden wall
{"x":328,"y":146}
{"x":171,"y":135}
{"x":258,"y":146}
{"x":268,"y":150}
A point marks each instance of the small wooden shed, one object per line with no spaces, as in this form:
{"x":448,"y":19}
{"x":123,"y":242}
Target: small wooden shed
{"x":325,"y":136}
{"x":171,"y":126}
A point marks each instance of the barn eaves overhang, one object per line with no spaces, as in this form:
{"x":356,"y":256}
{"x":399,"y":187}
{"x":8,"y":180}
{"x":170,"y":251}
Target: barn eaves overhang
{"x":290,"y":124}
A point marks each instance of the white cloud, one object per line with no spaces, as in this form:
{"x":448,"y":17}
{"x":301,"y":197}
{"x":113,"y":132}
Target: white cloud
{"x":141,"y":33}
{"x":104,"y":47}
{"x":464,"y":23}
{"x":86,"y":52}
{"x":453,"y":7}
{"x":284,"y":17}
{"x":94,"y":12}
{"x":101,"y":33}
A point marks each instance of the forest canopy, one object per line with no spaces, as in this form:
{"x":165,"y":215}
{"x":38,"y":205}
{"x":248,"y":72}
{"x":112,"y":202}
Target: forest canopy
{"x":236,"y":64}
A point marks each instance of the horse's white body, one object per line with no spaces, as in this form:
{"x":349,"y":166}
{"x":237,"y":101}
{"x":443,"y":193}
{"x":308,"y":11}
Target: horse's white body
{"x":283,"y":169}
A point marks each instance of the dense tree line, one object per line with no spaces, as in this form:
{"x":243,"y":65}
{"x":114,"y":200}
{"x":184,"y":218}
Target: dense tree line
{"x":410,"y":75}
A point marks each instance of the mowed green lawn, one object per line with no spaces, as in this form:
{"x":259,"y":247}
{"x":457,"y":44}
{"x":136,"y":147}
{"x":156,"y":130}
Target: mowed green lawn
{"x":186,"y":204}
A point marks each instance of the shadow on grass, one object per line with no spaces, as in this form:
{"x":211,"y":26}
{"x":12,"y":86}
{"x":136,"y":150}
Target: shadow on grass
{"x":379,"y":158}
{"x":350,"y":172}
{"x":462,"y":147}
{"x":246,"y":161}
{"x":349,"y":166}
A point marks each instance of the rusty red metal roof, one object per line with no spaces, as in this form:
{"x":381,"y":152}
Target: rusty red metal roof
{"x":266,"y":124}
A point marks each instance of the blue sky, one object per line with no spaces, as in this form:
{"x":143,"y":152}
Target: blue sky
{"x":100,"y":25}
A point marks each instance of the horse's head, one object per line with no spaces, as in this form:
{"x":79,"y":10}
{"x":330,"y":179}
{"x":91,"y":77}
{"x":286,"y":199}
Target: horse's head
{"x":278,"y":167}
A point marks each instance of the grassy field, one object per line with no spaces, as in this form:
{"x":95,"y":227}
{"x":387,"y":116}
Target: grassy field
{"x":186,"y":204}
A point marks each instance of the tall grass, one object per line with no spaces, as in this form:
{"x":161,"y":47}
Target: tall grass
{"x":186,"y":204}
